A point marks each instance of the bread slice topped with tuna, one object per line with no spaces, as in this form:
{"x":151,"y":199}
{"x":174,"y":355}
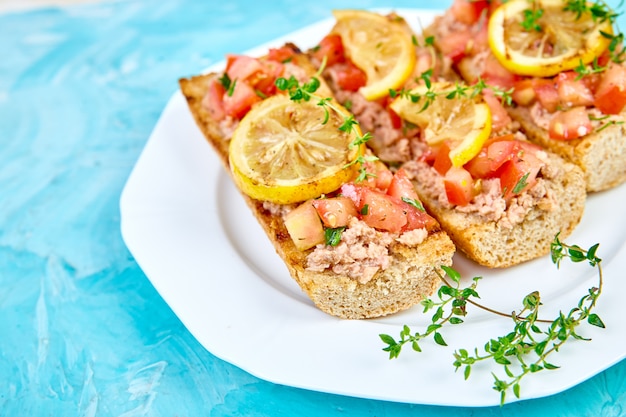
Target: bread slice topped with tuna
{"x":352,"y":233}
{"x":563,"y":61}
{"x":501,"y":198}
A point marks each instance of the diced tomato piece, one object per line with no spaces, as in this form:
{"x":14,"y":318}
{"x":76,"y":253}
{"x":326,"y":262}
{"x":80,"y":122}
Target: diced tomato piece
{"x":592,"y":81}
{"x":242,"y":99}
{"x":428,"y":155}
{"x":283,"y":54}
{"x":455,"y":45}
{"x":570,"y":124}
{"x":304,"y":226}
{"x":264,"y":81}
{"x":347,"y":76}
{"x":383,"y":179}
{"x":401,"y":186}
{"x":480,"y":39}
{"x":547,"y":94}
{"x":418,"y":219}
{"x":388,"y":212}
{"x":213,"y":100}
{"x":331,"y":47}
{"x":527,"y":148}
{"x":500,"y":152}
{"x":524,"y":92}
{"x":468,"y":11}
{"x":519,"y":174}
{"x":610,"y":96}
{"x":335,"y":211}
{"x":572,"y":91}
{"x":481,"y":166}
{"x":258,"y":74}
{"x":379,"y":175}
{"x":382,"y":211}
{"x":242,"y":67}
{"x":496,"y":75}
{"x":353,"y":192}
{"x":442,"y":162}
{"x":500,"y":118}
{"x":459,"y":186}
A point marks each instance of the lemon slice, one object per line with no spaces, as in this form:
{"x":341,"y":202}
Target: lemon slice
{"x":542,"y":39}
{"x":464,"y":122}
{"x":286,"y":152}
{"x":380,"y":46}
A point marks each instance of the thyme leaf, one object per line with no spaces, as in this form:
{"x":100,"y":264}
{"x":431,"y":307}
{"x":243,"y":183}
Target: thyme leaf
{"x":531,"y":20}
{"x":415,"y":203}
{"x":225,"y":81}
{"x":332,"y":236}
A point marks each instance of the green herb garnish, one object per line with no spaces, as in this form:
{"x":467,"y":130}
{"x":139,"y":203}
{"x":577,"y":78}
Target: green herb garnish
{"x":332,"y":236}
{"x":524,"y":350}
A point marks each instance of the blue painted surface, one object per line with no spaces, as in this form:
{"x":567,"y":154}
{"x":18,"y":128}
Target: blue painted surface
{"x":82,"y":330}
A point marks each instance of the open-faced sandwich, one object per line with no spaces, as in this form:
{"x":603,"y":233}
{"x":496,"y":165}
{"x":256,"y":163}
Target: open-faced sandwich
{"x":501,"y":198}
{"x":352,"y":233}
{"x":564,"y":62}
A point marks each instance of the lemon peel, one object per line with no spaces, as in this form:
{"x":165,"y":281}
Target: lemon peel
{"x":380,"y":46}
{"x":463,"y":121}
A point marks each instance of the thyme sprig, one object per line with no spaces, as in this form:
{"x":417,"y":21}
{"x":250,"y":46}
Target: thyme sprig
{"x":524,"y":350}
{"x":448,"y":294}
{"x":306,"y":92}
{"x":458,"y":90}
{"x":599,"y":10}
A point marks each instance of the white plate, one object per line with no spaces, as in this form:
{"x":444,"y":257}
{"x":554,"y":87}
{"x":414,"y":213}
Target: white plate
{"x":197,"y":242}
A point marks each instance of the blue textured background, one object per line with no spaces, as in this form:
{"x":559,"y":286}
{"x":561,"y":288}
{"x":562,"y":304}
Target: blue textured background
{"x":82,"y":330}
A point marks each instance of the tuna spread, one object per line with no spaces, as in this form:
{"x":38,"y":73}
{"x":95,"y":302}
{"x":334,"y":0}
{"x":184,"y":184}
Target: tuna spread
{"x":489,"y":204}
{"x":362,"y":252}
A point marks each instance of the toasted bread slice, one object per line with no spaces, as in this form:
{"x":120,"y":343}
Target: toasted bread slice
{"x":411,"y":276}
{"x":503,"y":242}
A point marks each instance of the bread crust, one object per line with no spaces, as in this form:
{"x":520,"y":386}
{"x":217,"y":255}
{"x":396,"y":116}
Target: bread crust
{"x":601,"y":155}
{"x":495,"y":245}
{"x":411,"y":276}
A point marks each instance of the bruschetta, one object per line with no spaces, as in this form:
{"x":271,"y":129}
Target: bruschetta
{"x":501,"y":198}
{"x":363,"y":249}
